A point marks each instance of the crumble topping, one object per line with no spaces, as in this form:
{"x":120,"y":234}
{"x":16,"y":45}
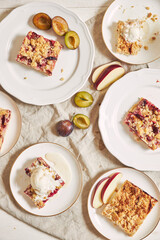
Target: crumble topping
{"x":129,"y":37}
{"x":143,"y":120}
{"x":129,"y":207}
{"x":39,"y":53}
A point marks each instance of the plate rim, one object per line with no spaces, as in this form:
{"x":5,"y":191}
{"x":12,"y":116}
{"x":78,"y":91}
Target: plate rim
{"x":1,"y":92}
{"x":81,"y":179}
{"x":117,"y":168}
{"x":114,"y":54}
{"x":84,"y":76}
{"x":100,"y":120}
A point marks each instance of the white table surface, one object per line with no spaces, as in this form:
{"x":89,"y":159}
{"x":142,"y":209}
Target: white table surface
{"x":10,"y":227}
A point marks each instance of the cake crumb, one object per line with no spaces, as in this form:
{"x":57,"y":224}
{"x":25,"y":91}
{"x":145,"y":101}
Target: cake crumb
{"x":157,"y":81}
{"x":147,"y":8}
{"x":132,"y":6}
{"x":153,"y":19}
{"x":62,"y":70}
{"x":25,"y":77}
{"x":155,"y":16}
{"x":62,"y":79}
{"x":153,"y":38}
{"x":149,"y":15}
{"x":146,"y":48}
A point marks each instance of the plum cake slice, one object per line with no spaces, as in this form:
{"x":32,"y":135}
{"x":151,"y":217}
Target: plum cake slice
{"x":39,"y":53}
{"x":129,"y":36}
{"x":129,"y":207}
{"x":143,"y":119}
{"x":45,"y":182}
{"x":5,"y":116}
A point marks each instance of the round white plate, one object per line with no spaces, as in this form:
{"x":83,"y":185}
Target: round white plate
{"x":123,"y":10}
{"x":14,"y":127}
{"x":19,"y":181}
{"x":29,"y":85}
{"x":120,"y":97}
{"x":110,"y":231}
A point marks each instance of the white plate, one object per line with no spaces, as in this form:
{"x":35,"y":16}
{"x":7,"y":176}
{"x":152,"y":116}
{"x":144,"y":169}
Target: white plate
{"x":123,"y":10}
{"x":37,"y":88}
{"x":66,"y":195}
{"x":118,"y":100}
{"x":110,"y":231}
{"x":14,"y":127}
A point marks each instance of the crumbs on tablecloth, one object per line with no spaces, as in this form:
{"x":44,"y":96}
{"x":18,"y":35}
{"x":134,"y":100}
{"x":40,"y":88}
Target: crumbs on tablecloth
{"x":146,"y":48}
{"x":157,"y":81}
{"x":25,"y":77}
{"x":149,"y":15}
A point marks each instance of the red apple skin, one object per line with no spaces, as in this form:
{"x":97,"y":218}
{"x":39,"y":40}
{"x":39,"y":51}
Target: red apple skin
{"x":96,"y":188}
{"x":104,"y":73}
{"x":107,"y":183}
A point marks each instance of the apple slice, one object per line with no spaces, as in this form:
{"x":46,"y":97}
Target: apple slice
{"x":107,"y":74}
{"x":99,"y":69}
{"x":110,"y":186}
{"x":96,"y":197}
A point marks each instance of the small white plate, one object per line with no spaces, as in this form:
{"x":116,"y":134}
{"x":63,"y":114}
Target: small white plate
{"x":110,"y":231}
{"x":66,"y":196}
{"x":14,"y":127}
{"x":29,"y":85}
{"x":123,"y":10}
{"x":120,"y":97}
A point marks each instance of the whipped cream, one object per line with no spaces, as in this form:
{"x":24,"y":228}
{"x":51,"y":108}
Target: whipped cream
{"x":133,"y":30}
{"x":42,"y":180}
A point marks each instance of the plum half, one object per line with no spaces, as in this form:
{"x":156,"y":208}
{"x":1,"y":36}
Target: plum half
{"x":81,"y":121}
{"x":83,"y":99}
{"x":59,"y":25}
{"x":72,"y":40}
{"x":42,"y":21}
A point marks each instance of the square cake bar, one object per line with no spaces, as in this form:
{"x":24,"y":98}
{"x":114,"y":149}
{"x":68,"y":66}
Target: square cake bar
{"x":129,"y":207}
{"x":40,"y":200}
{"x":39,"y":53}
{"x":5,"y":116}
{"x":143,"y":119}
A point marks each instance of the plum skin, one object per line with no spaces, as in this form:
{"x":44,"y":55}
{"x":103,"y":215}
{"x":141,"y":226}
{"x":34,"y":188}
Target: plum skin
{"x":65,"y":128}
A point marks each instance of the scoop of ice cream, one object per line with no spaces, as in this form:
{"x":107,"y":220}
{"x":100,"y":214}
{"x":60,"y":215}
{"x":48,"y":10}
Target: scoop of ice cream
{"x":133,"y":31}
{"x":42,"y":181}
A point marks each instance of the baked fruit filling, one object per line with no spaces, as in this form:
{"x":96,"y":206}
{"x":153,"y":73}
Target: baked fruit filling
{"x":39,"y":53}
{"x":5,"y":116}
{"x":143,"y":119}
{"x":45,"y":182}
{"x":129,"y":207}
